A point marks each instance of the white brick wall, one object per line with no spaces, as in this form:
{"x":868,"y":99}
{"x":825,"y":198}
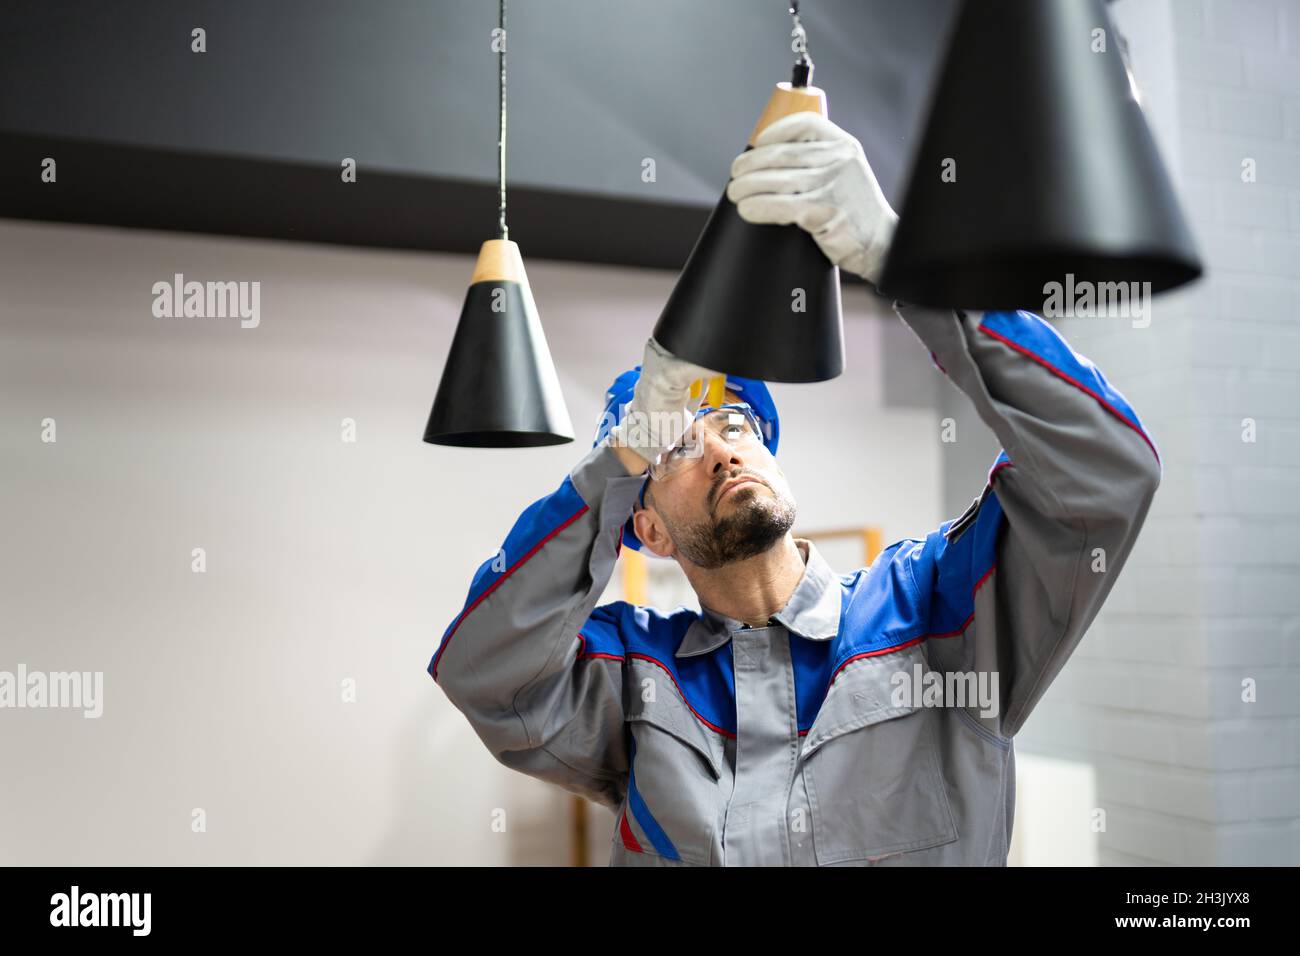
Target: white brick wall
{"x":1187,"y":772}
{"x":1252,"y":241}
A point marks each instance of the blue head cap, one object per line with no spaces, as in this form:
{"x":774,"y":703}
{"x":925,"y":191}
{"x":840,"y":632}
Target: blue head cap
{"x":751,"y":391}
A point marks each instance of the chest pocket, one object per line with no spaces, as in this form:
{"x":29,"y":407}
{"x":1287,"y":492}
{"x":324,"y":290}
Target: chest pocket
{"x":872,"y":769}
{"x":673,"y":796}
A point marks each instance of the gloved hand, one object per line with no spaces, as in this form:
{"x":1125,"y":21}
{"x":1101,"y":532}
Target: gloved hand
{"x":805,"y":170}
{"x":662,"y":408}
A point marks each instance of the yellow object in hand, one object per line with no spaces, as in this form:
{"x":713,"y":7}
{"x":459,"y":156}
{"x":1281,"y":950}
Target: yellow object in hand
{"x":717,"y":391}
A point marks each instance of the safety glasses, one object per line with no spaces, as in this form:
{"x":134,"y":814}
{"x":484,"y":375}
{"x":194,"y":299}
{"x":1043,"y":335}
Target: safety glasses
{"x":733,"y":423}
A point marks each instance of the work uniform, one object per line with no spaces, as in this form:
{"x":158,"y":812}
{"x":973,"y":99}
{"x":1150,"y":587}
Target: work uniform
{"x":719,"y":744}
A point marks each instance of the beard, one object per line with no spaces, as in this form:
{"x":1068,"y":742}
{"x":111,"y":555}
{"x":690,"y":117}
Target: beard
{"x":756,"y":522}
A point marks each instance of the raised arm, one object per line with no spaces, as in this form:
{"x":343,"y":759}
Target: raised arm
{"x":1012,"y":585}
{"x":543,"y":698}
{"x":531,"y":661}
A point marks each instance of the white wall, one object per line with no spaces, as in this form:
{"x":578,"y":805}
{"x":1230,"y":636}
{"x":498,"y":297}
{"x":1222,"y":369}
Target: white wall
{"x":326,"y":560}
{"x":1187,"y":772}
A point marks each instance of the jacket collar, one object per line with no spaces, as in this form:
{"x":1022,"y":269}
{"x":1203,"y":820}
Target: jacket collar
{"x":813,"y":610}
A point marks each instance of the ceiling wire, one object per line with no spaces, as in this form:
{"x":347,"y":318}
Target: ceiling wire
{"x":502,"y":231}
{"x":803,"y":67}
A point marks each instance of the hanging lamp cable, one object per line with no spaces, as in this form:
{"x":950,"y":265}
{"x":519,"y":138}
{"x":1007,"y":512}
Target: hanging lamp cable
{"x":803,"y":67}
{"x":502,"y":231}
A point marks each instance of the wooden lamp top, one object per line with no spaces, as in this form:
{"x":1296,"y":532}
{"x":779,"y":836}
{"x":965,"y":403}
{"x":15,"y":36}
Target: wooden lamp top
{"x":787,"y":99}
{"x":499,"y":261}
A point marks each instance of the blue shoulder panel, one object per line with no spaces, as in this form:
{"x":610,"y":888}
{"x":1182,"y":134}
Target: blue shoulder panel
{"x":947,"y":571}
{"x":918,"y":589}
{"x":1035,"y":338}
{"x":706,"y":683}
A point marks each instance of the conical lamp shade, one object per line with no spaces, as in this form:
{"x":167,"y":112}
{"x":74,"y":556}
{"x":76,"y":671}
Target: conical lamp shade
{"x":499,"y":388}
{"x":1036,"y":163}
{"x":757,"y":300}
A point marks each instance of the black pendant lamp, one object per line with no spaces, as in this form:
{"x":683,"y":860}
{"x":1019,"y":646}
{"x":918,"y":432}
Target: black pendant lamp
{"x":735,"y":307}
{"x":1036,"y":163}
{"x":499,"y":388}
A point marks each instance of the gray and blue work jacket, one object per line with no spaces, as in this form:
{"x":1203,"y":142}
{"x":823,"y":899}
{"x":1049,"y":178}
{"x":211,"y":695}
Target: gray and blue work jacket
{"x":791,"y":744}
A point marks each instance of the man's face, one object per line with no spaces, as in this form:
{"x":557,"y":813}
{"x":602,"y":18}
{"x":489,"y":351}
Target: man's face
{"x":705,"y":515}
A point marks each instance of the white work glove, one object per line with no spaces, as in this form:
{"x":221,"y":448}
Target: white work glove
{"x":805,"y":170}
{"x":661,"y":409}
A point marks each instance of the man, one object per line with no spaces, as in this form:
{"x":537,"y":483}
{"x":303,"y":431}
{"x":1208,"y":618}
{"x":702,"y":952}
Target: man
{"x":771,"y":728}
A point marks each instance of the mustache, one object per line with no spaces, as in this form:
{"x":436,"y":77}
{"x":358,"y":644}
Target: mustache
{"x":717,"y":485}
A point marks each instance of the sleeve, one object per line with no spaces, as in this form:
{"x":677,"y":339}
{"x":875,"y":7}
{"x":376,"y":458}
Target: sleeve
{"x":534,"y":666}
{"x":1011,"y":585}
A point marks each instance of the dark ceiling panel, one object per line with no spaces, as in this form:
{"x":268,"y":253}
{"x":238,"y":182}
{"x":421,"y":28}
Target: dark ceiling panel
{"x":408,"y":89}
{"x":138,"y":187}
